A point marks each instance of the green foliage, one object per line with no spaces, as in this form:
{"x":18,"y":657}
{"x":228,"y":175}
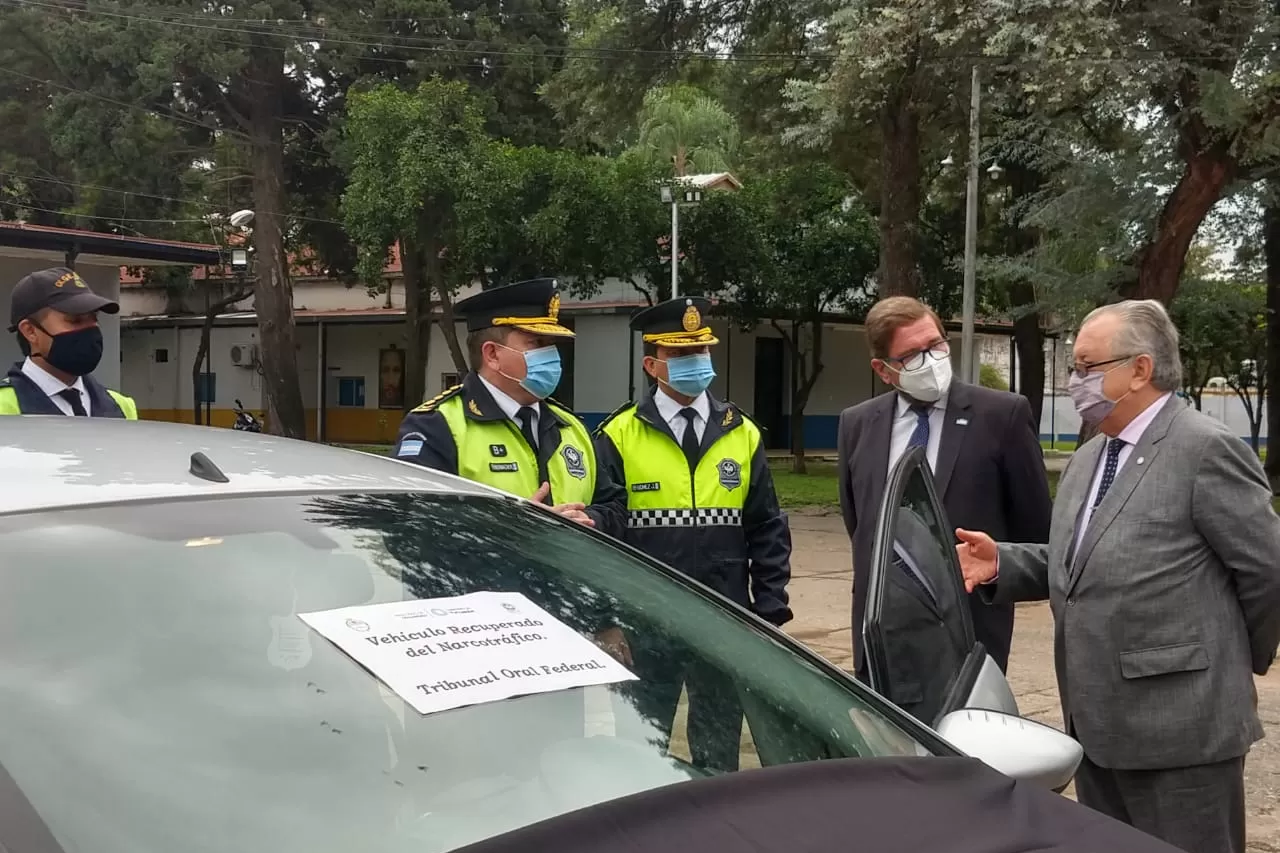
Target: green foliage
{"x":989,"y":377}
{"x":687,"y":130}
{"x":414,"y":160}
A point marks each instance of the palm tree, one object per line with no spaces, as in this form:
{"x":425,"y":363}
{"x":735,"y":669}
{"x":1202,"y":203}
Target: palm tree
{"x":687,"y":128}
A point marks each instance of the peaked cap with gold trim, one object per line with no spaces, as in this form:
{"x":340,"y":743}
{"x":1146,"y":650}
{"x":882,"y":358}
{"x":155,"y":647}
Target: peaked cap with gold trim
{"x":680,"y":322}
{"x":532,"y":306}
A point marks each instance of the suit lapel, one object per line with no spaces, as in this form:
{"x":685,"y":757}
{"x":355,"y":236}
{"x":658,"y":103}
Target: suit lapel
{"x":1140,"y":460}
{"x":958,"y":406}
{"x":876,"y":441}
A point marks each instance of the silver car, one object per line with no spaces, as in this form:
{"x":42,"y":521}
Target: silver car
{"x":159,"y":691}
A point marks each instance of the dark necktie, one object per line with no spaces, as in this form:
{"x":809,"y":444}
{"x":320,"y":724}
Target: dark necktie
{"x":525,"y":415}
{"x":689,"y":442}
{"x":72,"y":396}
{"x":920,"y":435}
{"x":1114,"y":446}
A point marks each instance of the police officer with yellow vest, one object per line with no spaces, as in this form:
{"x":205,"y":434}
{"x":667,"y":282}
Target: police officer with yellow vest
{"x":500,"y":427}
{"x":56,"y":317}
{"x":701,"y":499}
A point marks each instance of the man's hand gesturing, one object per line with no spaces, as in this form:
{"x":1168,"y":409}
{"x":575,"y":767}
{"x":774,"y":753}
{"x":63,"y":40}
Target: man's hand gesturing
{"x":978,"y":554}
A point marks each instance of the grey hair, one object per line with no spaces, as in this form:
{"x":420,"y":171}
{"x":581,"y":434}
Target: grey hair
{"x":1146,"y":330}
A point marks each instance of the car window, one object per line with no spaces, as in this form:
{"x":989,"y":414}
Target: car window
{"x":918,"y":624}
{"x":159,"y":691}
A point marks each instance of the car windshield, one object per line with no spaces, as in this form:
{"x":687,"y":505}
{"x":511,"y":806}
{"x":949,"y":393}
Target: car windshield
{"x":160,"y":692}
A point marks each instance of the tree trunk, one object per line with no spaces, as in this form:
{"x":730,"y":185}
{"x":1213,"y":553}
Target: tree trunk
{"x":1204,"y":177}
{"x":417,"y":324}
{"x":899,"y":272}
{"x":273,"y":295}
{"x":1028,"y":339}
{"x":206,"y":334}
{"x":433,"y":271}
{"x":1271,"y":251}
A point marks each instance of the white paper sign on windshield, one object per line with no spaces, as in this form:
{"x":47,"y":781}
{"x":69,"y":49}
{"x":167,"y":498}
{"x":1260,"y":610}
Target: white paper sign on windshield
{"x":442,"y":653}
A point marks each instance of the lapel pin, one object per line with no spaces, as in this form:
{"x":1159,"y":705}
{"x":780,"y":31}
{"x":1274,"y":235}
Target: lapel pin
{"x":962,"y":421}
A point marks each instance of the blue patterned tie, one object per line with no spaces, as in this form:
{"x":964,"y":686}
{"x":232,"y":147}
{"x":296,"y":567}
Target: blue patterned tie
{"x":920,"y":435}
{"x":1114,"y":446}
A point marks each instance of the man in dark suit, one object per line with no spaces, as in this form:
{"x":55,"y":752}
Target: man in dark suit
{"x":983,"y":447}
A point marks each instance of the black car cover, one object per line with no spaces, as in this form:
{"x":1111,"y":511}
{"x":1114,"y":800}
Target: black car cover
{"x":877,"y":805}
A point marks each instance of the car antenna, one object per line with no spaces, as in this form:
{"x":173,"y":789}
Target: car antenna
{"x":202,"y":466}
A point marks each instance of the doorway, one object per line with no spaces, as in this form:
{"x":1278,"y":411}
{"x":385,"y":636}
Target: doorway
{"x":769,"y":392}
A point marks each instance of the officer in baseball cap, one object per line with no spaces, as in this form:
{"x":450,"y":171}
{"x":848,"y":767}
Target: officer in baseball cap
{"x":55,"y":316}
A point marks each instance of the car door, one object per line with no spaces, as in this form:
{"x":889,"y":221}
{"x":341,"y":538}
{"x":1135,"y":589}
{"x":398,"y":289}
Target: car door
{"x":918,"y":633}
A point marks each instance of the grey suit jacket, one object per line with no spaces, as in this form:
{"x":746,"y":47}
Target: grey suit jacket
{"x":1172,"y":602}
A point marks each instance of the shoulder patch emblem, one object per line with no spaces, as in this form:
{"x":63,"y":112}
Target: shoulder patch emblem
{"x":730,"y":473}
{"x":474,"y":407}
{"x":573,"y":462}
{"x":434,"y":403}
{"x":728,"y":418}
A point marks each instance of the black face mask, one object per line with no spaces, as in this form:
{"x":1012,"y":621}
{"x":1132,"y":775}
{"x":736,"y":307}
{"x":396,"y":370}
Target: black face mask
{"x":76,"y":353}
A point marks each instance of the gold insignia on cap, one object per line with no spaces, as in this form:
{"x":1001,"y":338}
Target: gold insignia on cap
{"x":692,"y":319}
{"x":475,"y":409}
{"x":553,"y":307}
{"x":70,"y":278}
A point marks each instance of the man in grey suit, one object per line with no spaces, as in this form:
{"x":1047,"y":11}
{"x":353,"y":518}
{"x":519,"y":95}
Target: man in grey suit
{"x":1163,"y":573}
{"x":983,"y":447}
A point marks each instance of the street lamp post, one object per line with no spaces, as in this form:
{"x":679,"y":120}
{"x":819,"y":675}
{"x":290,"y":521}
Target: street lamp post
{"x":968,"y":305}
{"x":670,"y":196}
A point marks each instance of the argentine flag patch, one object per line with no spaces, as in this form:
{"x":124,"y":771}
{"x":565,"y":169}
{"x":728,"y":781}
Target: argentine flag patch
{"x":409,"y":447}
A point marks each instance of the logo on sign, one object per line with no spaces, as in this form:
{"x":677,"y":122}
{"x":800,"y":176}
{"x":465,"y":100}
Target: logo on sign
{"x":730,"y":473}
{"x":573,"y":461}
{"x":498,"y":449}
{"x":357,"y":625}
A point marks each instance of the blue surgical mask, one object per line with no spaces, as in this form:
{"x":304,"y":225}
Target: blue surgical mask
{"x":541,"y":371}
{"x":690,"y":375}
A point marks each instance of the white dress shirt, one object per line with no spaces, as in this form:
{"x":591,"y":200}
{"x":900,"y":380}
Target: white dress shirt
{"x":53,"y":387}
{"x":670,"y":411}
{"x":904,"y":423}
{"x":510,"y":407}
{"x":1130,"y":435}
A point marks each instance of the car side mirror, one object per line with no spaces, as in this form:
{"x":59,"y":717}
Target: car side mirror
{"x":1017,"y":747}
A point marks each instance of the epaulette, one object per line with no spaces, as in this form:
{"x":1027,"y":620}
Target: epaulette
{"x":434,"y":403}
{"x":742,"y":413}
{"x":600,"y":427}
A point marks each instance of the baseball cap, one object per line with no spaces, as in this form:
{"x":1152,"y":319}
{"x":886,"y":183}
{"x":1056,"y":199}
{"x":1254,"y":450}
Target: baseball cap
{"x":59,"y":288}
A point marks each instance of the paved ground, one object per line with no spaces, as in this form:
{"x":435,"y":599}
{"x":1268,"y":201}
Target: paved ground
{"x":820,"y":598}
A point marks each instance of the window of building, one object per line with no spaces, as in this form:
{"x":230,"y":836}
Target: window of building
{"x":162,"y":356}
{"x":207,"y":388}
{"x":351,"y":391}
{"x":448,"y":380}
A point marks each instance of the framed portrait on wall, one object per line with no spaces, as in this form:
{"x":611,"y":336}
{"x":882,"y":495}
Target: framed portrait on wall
{"x":391,"y":378}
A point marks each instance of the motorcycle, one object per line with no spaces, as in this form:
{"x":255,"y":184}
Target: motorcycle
{"x":245,"y":421}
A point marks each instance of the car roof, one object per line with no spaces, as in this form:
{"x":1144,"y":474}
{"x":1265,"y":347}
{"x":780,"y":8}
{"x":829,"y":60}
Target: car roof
{"x":52,"y":461}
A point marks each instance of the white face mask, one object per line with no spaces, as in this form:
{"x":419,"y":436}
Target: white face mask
{"x":928,"y":382}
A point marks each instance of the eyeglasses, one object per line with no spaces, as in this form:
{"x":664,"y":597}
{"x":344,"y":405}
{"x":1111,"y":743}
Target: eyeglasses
{"x":916,"y":360}
{"x":1083,"y":368}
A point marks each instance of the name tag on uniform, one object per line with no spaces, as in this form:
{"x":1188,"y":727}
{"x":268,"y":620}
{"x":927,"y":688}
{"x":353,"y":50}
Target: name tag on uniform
{"x":499,"y":467}
{"x":645,"y":487}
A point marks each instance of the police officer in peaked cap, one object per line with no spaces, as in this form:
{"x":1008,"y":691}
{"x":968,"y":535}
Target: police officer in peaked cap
{"x":701,"y":499}
{"x":500,"y":427}
{"x":55,"y":316}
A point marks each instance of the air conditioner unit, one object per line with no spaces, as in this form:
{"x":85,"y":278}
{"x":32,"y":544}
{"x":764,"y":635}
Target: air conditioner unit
{"x":244,"y":355}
